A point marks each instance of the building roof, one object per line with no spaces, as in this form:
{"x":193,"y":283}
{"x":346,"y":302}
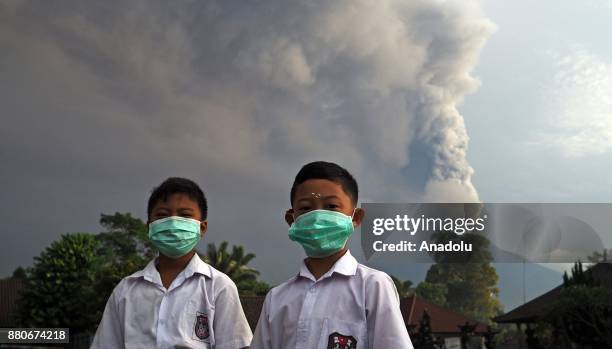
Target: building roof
{"x":9,"y":294}
{"x":535,"y":308}
{"x":443,"y":321}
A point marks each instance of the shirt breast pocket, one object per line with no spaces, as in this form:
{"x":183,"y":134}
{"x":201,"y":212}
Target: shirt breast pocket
{"x":198,"y":325}
{"x":341,"y":334}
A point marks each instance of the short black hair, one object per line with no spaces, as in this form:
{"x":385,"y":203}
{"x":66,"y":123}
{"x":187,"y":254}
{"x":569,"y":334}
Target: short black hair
{"x":175,"y":185}
{"x":329,"y":171}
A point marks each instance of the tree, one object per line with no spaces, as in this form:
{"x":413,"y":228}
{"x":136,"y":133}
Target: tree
{"x":253,"y":287}
{"x":424,"y":339}
{"x":126,"y":240}
{"x":579,"y":277}
{"x":20,"y":273}
{"x":470,"y":279}
{"x":585,"y":315}
{"x":58,"y":290}
{"x":404,"y":288}
{"x":234,"y":265}
{"x":433,"y":293}
{"x":124,"y":249}
{"x":71,"y":280}
{"x":583,"y":310}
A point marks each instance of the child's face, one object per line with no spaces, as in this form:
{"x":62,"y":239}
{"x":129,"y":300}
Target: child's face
{"x":181,"y":205}
{"x":322,"y":194}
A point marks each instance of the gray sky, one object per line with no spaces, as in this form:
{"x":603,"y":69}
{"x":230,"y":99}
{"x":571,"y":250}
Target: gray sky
{"x":540,"y":126}
{"x":102,"y":102}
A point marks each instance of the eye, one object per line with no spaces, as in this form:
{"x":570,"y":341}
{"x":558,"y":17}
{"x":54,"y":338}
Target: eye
{"x":160,"y":215}
{"x":332,"y":207}
{"x":303,"y":208}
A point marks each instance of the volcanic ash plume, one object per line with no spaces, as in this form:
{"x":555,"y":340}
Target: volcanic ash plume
{"x":257,"y":86}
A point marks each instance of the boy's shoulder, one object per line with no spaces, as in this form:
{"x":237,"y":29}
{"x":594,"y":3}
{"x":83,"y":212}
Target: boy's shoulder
{"x":365,"y":275}
{"x":128,"y":282}
{"x":284,"y":285}
{"x":374,"y":278}
{"x":370,"y":274}
{"x":219,"y":277}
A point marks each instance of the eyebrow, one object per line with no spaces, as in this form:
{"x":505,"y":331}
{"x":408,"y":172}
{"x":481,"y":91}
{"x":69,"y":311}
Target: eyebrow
{"x":310,"y":198}
{"x":331,"y":197}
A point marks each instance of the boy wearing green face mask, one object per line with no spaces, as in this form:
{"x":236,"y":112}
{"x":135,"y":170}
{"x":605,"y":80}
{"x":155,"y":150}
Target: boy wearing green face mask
{"x":177,"y":301}
{"x":333,"y":302}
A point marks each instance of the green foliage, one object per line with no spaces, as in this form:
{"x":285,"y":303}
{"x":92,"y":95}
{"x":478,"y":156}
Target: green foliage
{"x":253,"y":287}
{"x":585,"y":314}
{"x":404,"y":288}
{"x":19,"y":273}
{"x":233,"y":264}
{"x":424,"y":338}
{"x":471,"y":288}
{"x":125,"y":248}
{"x":579,"y":277}
{"x":126,"y":240}
{"x":58,"y":290}
{"x":470,"y":279}
{"x":508,"y":336}
{"x":71,"y":280}
{"x":432,"y":292}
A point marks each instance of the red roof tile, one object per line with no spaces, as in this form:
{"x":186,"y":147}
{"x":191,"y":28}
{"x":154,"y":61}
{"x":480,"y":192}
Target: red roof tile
{"x":442,"y":320}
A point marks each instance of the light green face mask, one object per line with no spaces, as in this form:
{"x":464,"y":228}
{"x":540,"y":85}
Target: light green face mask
{"x":174,"y":236}
{"x":321,"y":232}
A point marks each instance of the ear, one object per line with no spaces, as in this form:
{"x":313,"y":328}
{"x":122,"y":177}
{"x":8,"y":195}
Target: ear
{"x":203,"y":228}
{"x":358,"y":216}
{"x":289,"y":216}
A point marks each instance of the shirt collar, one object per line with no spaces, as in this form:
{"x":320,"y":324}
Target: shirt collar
{"x":346,"y":265}
{"x":195,"y":265}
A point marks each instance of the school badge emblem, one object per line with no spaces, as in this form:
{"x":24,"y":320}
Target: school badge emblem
{"x":201,"y":326}
{"x":340,"y":341}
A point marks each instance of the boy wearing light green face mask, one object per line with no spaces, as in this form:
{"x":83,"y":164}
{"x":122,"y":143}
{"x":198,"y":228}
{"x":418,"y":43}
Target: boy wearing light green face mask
{"x":334,"y":301}
{"x":177,"y":300}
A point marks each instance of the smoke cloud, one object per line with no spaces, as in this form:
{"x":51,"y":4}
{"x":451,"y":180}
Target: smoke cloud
{"x":106,"y":99}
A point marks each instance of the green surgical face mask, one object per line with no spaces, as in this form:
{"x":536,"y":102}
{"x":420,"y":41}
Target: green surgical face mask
{"x":174,"y":236}
{"x":321,"y":232}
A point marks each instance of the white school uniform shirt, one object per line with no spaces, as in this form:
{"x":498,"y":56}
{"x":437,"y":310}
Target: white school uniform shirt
{"x":351,"y":306}
{"x":200,"y":309}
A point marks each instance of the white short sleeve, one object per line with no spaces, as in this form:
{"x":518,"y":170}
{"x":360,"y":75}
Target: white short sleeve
{"x":230,"y":325}
{"x":386,"y":328}
{"x":110,"y":332}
